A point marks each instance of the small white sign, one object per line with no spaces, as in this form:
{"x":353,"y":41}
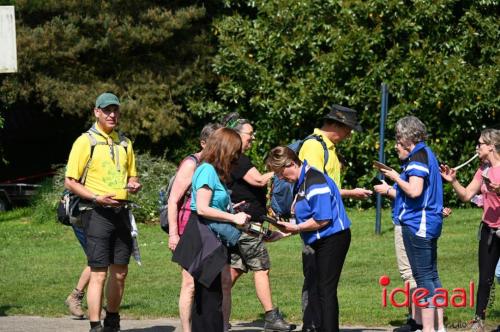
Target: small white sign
{"x":8,"y":52}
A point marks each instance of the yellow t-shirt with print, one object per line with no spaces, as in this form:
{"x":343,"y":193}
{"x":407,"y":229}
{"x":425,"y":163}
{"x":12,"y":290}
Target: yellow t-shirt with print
{"x":110,"y":167}
{"x":313,"y":152}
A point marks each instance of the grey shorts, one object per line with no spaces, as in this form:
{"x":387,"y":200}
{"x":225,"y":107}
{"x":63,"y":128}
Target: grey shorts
{"x":250,"y":254}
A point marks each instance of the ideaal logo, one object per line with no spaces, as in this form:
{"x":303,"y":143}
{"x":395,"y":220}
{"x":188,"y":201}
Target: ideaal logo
{"x":459,"y":296}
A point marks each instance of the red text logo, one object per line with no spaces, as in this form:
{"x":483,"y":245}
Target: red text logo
{"x":460,"y":297}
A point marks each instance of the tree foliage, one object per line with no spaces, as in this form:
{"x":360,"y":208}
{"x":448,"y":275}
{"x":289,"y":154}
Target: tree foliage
{"x":284,"y":64}
{"x":279,"y":63}
{"x":150,"y":53}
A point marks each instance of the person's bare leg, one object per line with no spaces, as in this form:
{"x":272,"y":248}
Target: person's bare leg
{"x":428,"y":319}
{"x":94,"y":292}
{"x":263,"y":289}
{"x":186,"y":297}
{"x":115,"y":286}
{"x":440,"y":319}
{"x":235,"y":275}
{"x":228,"y":279}
{"x":418,"y":314}
{"x":84,"y":280}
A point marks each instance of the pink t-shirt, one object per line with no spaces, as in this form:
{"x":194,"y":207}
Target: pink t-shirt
{"x":491,"y":207}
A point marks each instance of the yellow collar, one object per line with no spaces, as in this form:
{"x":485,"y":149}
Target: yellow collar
{"x":113,"y":135}
{"x":329,"y":144}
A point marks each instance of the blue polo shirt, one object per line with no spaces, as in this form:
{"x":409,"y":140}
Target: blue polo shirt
{"x":319,"y":198}
{"x":423,"y":214}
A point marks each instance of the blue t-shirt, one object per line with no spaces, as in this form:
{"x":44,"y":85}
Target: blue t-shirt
{"x":423,"y":214}
{"x":206,"y":175}
{"x":319,"y":198}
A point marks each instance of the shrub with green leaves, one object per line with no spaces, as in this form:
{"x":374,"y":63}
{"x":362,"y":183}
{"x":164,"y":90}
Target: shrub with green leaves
{"x":282,"y":63}
{"x":154,"y":172}
{"x":47,"y":197}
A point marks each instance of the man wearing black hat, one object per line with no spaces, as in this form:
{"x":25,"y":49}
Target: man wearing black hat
{"x":101,"y":171}
{"x":337,"y":126}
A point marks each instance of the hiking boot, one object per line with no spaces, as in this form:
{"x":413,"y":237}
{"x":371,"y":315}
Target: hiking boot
{"x":410,"y":326}
{"x":111,"y":322}
{"x":74,"y":303}
{"x":274,"y":322}
{"x":477,"y":325}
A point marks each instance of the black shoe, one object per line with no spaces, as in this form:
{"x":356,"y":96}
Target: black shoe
{"x":96,"y":329}
{"x":410,"y":326}
{"x":309,"y":329}
{"x":111,"y":329}
{"x":111,"y":322}
{"x":274,"y":322}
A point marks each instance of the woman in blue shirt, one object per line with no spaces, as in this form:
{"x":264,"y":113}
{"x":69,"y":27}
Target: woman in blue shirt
{"x":418,"y":207}
{"x":321,"y":222}
{"x":210,"y":206}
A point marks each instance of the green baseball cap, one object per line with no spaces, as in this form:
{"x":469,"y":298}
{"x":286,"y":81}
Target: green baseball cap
{"x":106,"y":99}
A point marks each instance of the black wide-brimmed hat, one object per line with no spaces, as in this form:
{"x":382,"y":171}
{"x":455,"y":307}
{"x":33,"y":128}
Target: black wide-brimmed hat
{"x":344,"y":115}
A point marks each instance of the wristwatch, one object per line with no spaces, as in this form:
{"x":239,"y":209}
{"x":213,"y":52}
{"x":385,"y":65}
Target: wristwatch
{"x":94,"y":198}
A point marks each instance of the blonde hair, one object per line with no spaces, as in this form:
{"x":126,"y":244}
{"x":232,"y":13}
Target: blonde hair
{"x":491,"y":137}
{"x":281,"y":157}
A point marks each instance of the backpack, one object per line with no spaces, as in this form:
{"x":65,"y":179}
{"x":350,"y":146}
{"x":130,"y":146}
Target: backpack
{"x":282,"y":191}
{"x":184,"y":206}
{"x":68,"y":209}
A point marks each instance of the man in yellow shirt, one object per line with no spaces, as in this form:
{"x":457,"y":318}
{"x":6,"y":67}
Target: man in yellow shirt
{"x":110,"y":174}
{"x":337,"y":126}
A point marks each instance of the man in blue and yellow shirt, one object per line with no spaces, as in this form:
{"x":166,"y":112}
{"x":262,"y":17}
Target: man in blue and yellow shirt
{"x":108,"y":168}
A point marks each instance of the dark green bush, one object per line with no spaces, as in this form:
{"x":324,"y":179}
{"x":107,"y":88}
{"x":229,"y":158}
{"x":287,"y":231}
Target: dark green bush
{"x":283,"y":66}
{"x":47,"y":197}
{"x":154,"y":173}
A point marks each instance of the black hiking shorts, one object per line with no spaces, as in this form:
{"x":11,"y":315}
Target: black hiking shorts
{"x":108,"y":236}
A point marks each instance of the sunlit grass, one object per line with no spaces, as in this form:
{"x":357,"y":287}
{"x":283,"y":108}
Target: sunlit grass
{"x":41,"y":263}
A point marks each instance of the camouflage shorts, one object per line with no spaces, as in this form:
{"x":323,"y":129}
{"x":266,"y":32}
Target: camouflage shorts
{"x":250,"y":254}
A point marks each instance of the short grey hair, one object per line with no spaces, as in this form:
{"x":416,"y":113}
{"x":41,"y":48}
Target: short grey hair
{"x":208,"y":130}
{"x":410,"y":130}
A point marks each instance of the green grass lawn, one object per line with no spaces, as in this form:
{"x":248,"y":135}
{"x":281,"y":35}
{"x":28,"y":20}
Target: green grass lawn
{"x":41,"y":263}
